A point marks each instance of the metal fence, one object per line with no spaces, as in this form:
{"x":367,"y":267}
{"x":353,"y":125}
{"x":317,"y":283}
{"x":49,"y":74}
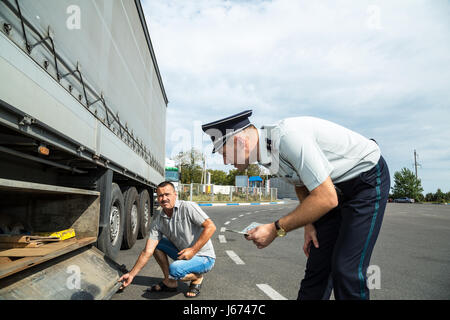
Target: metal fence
{"x":215,"y":193}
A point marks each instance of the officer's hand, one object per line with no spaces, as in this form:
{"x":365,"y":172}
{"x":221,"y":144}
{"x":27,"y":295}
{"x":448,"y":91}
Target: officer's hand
{"x":126,"y":280}
{"x":263,"y":235}
{"x":310,"y":235}
{"x":186,"y":254}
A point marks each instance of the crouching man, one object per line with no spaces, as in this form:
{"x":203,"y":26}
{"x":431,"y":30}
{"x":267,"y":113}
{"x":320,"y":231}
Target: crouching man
{"x":182,"y":231}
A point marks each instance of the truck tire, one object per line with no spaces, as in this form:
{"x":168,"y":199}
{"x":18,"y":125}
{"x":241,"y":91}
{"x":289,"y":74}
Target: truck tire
{"x":145,"y":212}
{"x":132,"y":222}
{"x":110,"y":237}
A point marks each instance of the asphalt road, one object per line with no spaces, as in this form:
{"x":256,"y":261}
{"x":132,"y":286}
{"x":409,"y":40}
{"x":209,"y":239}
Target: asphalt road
{"x":412,"y":253}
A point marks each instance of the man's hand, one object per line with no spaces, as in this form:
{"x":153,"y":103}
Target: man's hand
{"x":126,"y":280}
{"x":186,"y":254}
{"x":263,"y":235}
{"x":310,"y":235}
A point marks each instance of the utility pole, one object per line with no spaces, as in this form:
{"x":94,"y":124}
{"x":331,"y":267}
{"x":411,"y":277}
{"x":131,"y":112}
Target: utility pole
{"x":415,"y":162}
{"x":204,"y":170}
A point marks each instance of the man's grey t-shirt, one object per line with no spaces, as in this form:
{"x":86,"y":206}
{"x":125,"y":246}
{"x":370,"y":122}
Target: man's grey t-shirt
{"x":184,"y":227}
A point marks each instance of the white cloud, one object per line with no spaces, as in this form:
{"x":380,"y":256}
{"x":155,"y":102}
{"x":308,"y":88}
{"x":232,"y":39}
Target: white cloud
{"x":378,"y":67}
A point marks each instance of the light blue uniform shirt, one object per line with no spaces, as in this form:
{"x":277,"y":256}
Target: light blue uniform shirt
{"x":304,"y":151}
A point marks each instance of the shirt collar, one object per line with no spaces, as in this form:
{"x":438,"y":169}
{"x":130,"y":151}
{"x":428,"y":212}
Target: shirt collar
{"x":264,"y":145}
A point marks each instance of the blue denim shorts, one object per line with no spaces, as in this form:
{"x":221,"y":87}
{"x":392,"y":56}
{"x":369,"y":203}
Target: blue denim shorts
{"x":178,"y":269}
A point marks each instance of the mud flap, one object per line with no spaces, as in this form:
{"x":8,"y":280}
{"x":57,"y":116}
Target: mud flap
{"x":84,"y":274}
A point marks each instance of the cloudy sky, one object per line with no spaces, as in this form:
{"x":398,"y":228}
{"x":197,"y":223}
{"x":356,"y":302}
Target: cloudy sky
{"x":381,"y":68}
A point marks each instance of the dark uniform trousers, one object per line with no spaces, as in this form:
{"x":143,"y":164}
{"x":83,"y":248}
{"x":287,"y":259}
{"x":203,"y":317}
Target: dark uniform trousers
{"x":347,"y":236}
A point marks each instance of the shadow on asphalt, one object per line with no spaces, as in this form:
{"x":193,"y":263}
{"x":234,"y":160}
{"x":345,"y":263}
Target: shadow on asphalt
{"x":150,"y":281}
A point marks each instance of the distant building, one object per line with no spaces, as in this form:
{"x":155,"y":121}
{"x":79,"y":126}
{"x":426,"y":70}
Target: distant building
{"x":241,"y":181}
{"x":255,"y":182}
{"x":172,"y":173}
{"x":285,"y":190}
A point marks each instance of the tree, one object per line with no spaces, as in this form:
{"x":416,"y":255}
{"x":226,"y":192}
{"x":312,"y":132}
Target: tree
{"x":439,"y":196}
{"x":429,"y":197}
{"x":191,"y":166}
{"x":421,"y":197}
{"x":231,"y":176}
{"x":254,"y":170}
{"x":218,"y":177}
{"x":407,"y":185}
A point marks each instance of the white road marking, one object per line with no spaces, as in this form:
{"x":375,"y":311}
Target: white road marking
{"x":233,"y":256}
{"x":226,"y":223}
{"x":233,"y":219}
{"x":249,"y":213}
{"x":241,"y":215}
{"x":268,"y":290}
{"x":222,"y":239}
{"x":223,"y":229}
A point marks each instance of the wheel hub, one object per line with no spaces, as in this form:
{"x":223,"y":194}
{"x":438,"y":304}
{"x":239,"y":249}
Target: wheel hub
{"x":114,"y":221}
{"x":134,"y":218}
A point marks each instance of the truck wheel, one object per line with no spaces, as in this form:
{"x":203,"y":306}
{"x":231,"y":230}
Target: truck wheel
{"x":131,"y":228}
{"x":110,"y":237}
{"x":145,"y":206}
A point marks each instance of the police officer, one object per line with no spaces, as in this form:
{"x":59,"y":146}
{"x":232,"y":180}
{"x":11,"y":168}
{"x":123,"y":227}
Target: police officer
{"x":341,"y":181}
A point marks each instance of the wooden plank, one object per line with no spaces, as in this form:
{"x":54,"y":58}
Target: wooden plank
{"x":5,"y":260}
{"x":7,"y":269}
{"x":25,"y":239}
{"x":36,"y":252}
{"x":20,"y":245}
{"x":14,"y":239}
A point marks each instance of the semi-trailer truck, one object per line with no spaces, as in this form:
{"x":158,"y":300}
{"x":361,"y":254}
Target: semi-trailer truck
{"x":82,"y":142}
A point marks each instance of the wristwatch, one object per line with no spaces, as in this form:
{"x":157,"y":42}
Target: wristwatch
{"x":280,"y":231}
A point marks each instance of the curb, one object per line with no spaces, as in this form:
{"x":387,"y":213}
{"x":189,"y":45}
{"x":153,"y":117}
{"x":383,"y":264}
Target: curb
{"x":238,"y":204}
